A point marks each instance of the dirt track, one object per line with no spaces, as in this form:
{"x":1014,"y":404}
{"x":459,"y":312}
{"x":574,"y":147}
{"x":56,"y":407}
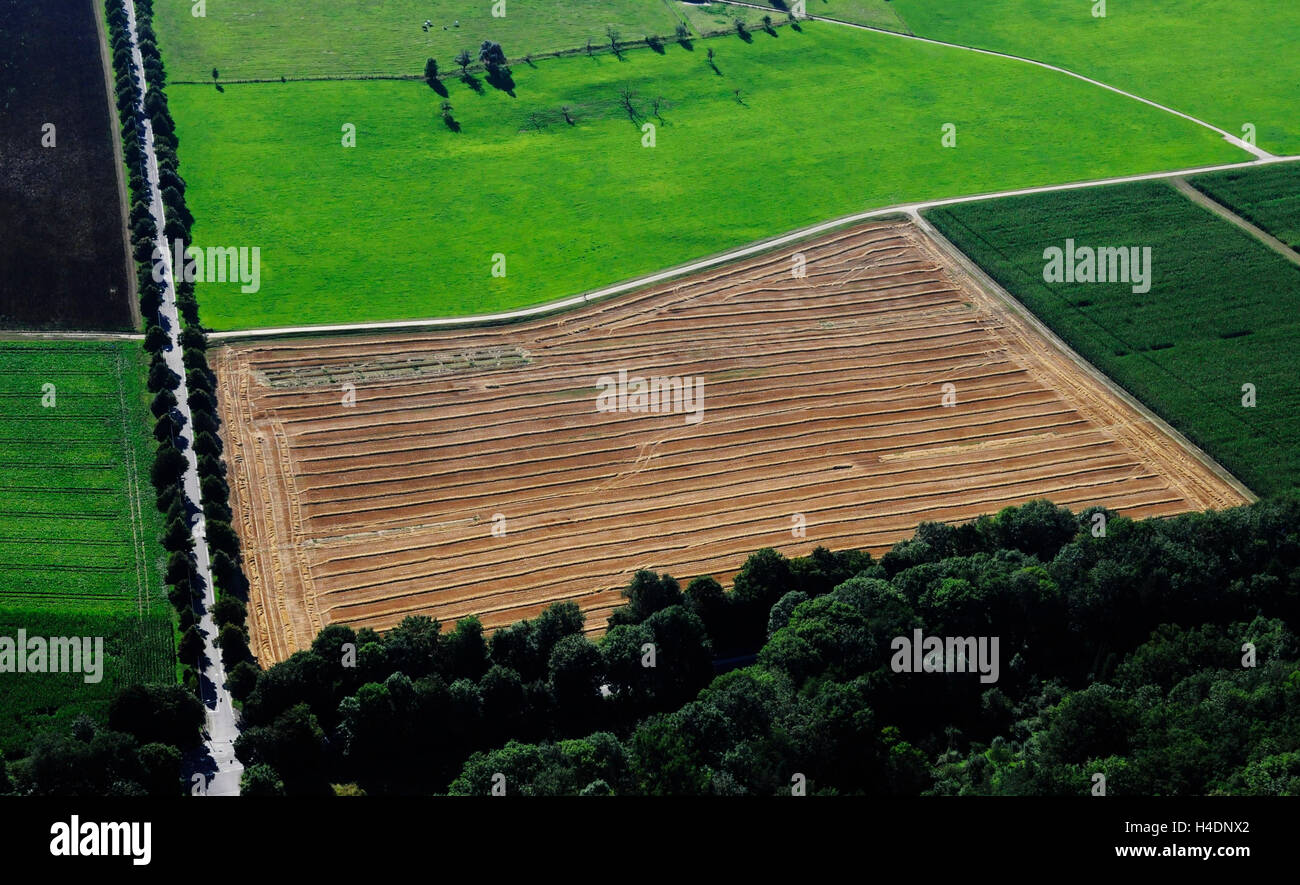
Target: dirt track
{"x":823,"y":397}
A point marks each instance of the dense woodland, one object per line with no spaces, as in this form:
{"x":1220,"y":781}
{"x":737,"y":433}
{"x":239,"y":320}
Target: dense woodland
{"x":1121,"y":655}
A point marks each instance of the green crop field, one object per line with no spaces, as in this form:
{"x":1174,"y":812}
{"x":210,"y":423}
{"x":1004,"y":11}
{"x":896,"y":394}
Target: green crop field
{"x":790,"y":130}
{"x":1267,"y":196}
{"x":1220,"y":313}
{"x":258,"y":39}
{"x":79,"y":554}
{"x":1230,"y":62}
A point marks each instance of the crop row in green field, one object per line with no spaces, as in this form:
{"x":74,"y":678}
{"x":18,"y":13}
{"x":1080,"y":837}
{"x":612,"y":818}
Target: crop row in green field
{"x":778,"y":133}
{"x":1217,"y":330}
{"x":79,"y":551}
{"x":136,"y":649}
{"x":1267,"y":196}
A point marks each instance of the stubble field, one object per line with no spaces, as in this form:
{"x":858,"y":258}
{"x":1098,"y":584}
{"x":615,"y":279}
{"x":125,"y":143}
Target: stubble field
{"x":823,"y":406}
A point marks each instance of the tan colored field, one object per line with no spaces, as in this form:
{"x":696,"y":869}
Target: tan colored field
{"x":822,"y":397}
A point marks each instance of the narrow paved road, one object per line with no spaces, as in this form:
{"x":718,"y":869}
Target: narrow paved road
{"x":222,"y":722}
{"x":725,"y":257}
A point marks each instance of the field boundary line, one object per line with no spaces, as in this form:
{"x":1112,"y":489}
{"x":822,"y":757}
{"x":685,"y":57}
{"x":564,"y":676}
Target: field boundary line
{"x":1025,"y":315}
{"x":115,"y":134}
{"x":1205,"y":201}
{"x":31,"y":335}
{"x":755,"y":248}
{"x":133,"y":496}
{"x":1236,"y":141}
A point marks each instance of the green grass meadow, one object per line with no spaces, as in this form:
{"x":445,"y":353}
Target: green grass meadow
{"x":259,"y":39}
{"x":708,"y":17}
{"x":826,"y":121}
{"x":1230,"y":62}
{"x":1221,"y":312}
{"x":1266,"y":196}
{"x":79,"y":551}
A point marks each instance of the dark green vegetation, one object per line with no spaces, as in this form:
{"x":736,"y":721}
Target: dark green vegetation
{"x":1220,"y":313}
{"x":1266,"y":196}
{"x":139,"y":751}
{"x":418,"y":702}
{"x":62,"y":254}
{"x":1120,"y":654}
{"x":78,"y":535}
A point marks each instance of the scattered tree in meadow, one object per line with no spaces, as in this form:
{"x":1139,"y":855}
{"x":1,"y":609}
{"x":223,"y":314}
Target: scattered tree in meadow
{"x":491,"y":54}
{"x":627,"y":98}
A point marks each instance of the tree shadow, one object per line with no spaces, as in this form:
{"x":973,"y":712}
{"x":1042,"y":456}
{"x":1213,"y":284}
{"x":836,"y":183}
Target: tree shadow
{"x":451,"y":123}
{"x":656,"y":44}
{"x":439,"y":87}
{"x":474,"y":83}
{"x":745,"y":35}
{"x":220,"y":88}
{"x":198,"y":760}
{"x":499,"y":78}
{"x":207,"y":688}
{"x":685,"y":43}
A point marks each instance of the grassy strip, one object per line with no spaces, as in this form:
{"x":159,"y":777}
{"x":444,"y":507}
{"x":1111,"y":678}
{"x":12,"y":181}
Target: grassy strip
{"x":406,"y":224}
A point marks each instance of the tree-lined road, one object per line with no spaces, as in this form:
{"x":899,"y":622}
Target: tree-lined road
{"x":222,"y":722}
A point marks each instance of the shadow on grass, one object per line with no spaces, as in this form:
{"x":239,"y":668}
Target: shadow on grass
{"x":499,"y":78}
{"x":474,"y":83}
{"x":439,"y":87}
{"x":451,"y":122}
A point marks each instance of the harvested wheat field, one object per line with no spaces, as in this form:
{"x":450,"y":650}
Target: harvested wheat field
{"x":823,"y":397}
